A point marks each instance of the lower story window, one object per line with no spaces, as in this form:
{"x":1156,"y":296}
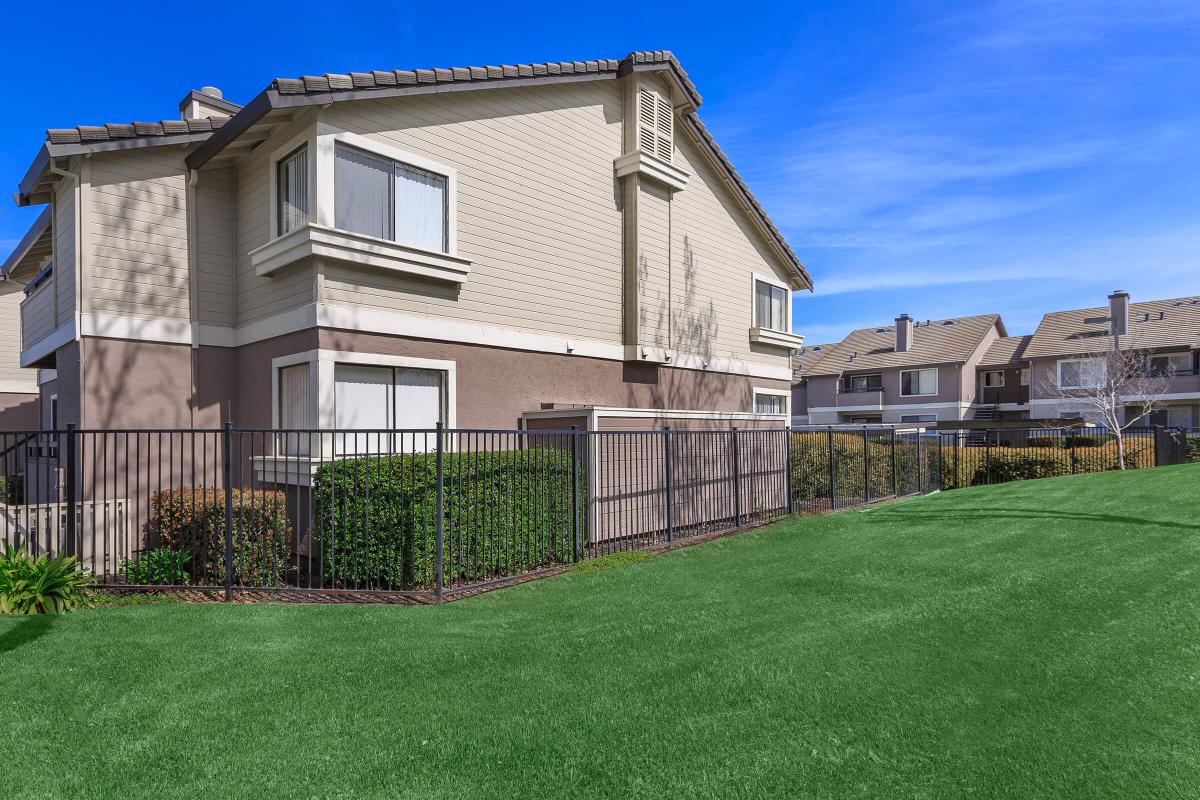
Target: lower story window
{"x":769,"y":403}
{"x":395,"y":407}
{"x":918,"y":418}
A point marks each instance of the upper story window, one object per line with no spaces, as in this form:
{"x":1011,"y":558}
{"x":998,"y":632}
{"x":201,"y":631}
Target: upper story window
{"x":389,"y":199}
{"x":862,"y":383}
{"x":1169,"y":364}
{"x":918,"y":382}
{"x":292,"y":190}
{"x":993,"y":378}
{"x":770,"y":306}
{"x":1080,"y":373}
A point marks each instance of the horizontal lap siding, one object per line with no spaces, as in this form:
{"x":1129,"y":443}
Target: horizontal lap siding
{"x":64,"y":254}
{"x":259,"y":297}
{"x":216,"y":231}
{"x":11,"y":296}
{"x":37,"y":314}
{"x":537,"y":210}
{"x":715,"y":250}
{"x":138,"y":248}
{"x":654,"y":268}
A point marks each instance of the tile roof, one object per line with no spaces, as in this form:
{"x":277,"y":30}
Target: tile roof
{"x":85,"y":134}
{"x":807,"y":357}
{"x":934,"y":342}
{"x":1006,"y":350}
{"x":386,"y":79}
{"x":1157,"y":323}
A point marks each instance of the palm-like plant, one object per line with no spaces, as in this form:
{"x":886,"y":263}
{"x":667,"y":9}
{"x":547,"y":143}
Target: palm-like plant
{"x":42,"y":585}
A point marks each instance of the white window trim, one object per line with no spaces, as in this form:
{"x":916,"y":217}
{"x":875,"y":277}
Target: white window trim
{"x":1059,"y":369}
{"x":999,"y":372}
{"x":755,"y":277}
{"x":786,"y":394}
{"x":308,"y":139}
{"x":936,"y":382}
{"x":322,"y":385}
{"x":327,"y":138}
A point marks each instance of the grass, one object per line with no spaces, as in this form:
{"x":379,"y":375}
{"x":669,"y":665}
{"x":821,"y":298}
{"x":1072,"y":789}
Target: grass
{"x":1037,"y":639}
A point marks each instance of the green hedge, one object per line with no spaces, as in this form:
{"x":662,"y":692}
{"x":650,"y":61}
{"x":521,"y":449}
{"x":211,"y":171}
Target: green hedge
{"x":193,"y":520}
{"x":1193,"y":448}
{"x":978,"y":465}
{"x":810,"y":465}
{"x":504,"y":513}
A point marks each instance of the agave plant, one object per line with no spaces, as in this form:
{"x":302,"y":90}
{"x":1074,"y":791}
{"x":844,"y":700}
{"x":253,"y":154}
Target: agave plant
{"x":42,"y":585}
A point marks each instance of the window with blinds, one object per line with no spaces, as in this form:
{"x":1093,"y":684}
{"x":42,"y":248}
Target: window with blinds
{"x":770,"y":306}
{"x":655,"y":123}
{"x":389,"y":200}
{"x":292,"y":191}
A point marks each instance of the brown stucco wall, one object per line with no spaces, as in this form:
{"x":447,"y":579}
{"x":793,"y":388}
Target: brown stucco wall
{"x":19,"y":412}
{"x":496,"y":386}
{"x":131,"y":384}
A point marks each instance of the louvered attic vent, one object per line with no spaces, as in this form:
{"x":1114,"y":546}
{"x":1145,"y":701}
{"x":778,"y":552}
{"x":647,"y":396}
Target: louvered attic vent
{"x":655,"y":123}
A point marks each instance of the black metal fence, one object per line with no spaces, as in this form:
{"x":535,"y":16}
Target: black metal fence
{"x":433,"y":513}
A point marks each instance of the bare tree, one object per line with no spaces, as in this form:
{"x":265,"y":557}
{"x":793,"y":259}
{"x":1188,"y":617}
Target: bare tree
{"x":1108,"y":384}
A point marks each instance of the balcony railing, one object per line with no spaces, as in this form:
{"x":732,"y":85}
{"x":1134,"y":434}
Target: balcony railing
{"x":1005,"y":394}
{"x":860,"y":389}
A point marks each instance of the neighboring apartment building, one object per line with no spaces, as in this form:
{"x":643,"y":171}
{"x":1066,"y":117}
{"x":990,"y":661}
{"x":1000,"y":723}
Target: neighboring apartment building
{"x":803,"y":362}
{"x":478,"y":246}
{"x":1063,"y":353}
{"x":909,"y":372}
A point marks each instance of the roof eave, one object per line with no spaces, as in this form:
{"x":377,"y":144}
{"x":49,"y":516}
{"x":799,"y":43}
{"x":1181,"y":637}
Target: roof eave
{"x":39,"y":227}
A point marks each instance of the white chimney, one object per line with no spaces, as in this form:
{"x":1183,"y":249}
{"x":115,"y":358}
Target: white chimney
{"x":1118,"y":313}
{"x":208,"y":101}
{"x":904,"y":333}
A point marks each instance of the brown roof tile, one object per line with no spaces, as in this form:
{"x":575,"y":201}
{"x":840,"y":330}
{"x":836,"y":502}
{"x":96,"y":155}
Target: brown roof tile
{"x":82,"y":134}
{"x":934,"y":342}
{"x":807,"y":357}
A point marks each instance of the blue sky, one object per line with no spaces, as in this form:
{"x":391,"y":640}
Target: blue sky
{"x":939,"y":159}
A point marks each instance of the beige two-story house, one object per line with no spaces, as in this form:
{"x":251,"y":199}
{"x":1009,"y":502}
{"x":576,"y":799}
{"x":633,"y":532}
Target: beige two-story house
{"x":476,"y":246}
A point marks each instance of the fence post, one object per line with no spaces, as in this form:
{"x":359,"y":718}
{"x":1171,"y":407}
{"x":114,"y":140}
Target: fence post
{"x":438,"y":522}
{"x":228,"y":469}
{"x":575,"y":492}
{"x":866,"y":468}
{"x":920,"y":462}
{"x":669,"y":481}
{"x":832,"y":473}
{"x":737,"y":481}
{"x":787,"y":477}
{"x":895,"y":485}
{"x":69,"y":546}
{"x":987,"y":455}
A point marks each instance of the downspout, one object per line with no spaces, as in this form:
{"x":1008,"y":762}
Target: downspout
{"x":77,"y":266}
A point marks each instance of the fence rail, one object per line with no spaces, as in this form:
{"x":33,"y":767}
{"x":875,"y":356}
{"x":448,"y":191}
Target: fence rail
{"x":432,"y":513}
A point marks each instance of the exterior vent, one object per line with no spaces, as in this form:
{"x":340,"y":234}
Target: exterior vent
{"x":655,"y":124}
{"x":948,"y":322}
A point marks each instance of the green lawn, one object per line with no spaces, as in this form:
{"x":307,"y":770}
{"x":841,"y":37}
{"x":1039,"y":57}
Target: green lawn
{"x":1037,"y":639}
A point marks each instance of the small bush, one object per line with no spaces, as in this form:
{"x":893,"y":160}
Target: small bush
{"x":1193,"y":448}
{"x":42,"y":585}
{"x":505,"y":512}
{"x":162,"y":566}
{"x":12,"y":489}
{"x":193,"y":521}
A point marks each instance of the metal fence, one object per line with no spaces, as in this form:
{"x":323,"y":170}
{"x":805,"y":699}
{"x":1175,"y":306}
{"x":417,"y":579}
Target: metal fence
{"x":429,"y":514}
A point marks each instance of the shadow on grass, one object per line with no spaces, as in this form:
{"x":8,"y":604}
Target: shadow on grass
{"x":28,"y":629}
{"x":959,"y":514}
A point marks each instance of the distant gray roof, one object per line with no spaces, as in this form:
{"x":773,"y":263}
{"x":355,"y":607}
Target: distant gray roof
{"x":83,"y":134}
{"x":939,"y":341}
{"x":1006,"y":350}
{"x":808,"y":356}
{"x":1156,"y":323}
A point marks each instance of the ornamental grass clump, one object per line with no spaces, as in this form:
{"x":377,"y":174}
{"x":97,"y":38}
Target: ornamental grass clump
{"x":42,"y":585}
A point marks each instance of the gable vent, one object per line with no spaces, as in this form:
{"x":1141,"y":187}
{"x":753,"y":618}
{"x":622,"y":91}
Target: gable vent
{"x":655,"y":123}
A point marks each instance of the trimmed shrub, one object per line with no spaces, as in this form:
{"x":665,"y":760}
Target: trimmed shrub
{"x":193,"y":521}
{"x":504,"y":513}
{"x":162,"y":566}
{"x":975,"y":466}
{"x":810,"y":465}
{"x":1070,"y":440}
{"x":42,"y":585}
{"x":1193,"y":448}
